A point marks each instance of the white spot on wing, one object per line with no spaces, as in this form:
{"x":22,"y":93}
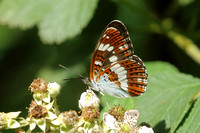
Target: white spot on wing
{"x":120,"y":74}
{"x":122,"y":78}
{"x":113,"y":68}
{"x":113,"y":58}
{"x":121,"y":47}
{"x":119,"y":70}
{"x":124,"y":83}
{"x":101,"y":47}
{"x":98,"y":63}
{"x":105,"y":47}
{"x":139,"y":79}
{"x":107,"y":37}
{"x":110,"y":48}
{"x":126,"y":45}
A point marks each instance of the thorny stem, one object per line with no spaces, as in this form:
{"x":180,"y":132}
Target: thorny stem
{"x":55,"y":106}
{"x":185,"y":44}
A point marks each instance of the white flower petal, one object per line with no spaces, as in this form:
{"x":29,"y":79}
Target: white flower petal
{"x":46,"y":97}
{"x":13,"y":123}
{"x":37,"y":97}
{"x":110,"y":121}
{"x":41,"y":124}
{"x":144,"y":129}
{"x":13,"y":114}
{"x":131,"y":117}
{"x":49,"y":106}
{"x":56,"y":122}
{"x":88,"y":98}
{"x":32,"y":125}
{"x":82,"y":100}
{"x":51,"y":115}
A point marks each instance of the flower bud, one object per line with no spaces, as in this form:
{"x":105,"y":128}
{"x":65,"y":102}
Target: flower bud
{"x":54,"y":89}
{"x":88,"y":98}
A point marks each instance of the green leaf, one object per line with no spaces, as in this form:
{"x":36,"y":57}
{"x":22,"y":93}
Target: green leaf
{"x":167,"y":99}
{"x":66,"y":20}
{"x":185,"y":2}
{"x":192,"y":122}
{"x":158,"y":66}
{"x":24,"y":13}
{"x":57,"y":20}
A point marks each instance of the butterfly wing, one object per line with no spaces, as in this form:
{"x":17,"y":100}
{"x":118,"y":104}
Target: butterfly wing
{"x":114,"y":68}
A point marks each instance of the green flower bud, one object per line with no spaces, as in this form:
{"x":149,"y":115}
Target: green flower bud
{"x":54,"y":89}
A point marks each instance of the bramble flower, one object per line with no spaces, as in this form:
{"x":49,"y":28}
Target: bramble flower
{"x":69,"y":118}
{"x":67,"y":121}
{"x":120,"y":120}
{"x":44,"y":113}
{"x":145,"y":129}
{"x":53,"y":88}
{"x":39,"y":89}
{"x":88,"y":98}
{"x":89,"y":119}
{"x":8,"y":120}
{"x":39,"y":114}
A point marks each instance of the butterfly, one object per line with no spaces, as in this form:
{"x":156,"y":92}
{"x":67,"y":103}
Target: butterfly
{"x":114,"y":69}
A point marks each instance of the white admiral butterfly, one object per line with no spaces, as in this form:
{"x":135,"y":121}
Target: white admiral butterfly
{"x":114,"y":68}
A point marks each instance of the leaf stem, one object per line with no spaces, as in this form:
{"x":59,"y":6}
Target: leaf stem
{"x":183,"y":42}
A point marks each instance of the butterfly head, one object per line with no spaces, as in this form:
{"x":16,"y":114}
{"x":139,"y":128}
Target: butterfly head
{"x":91,"y":84}
{"x":86,"y":80}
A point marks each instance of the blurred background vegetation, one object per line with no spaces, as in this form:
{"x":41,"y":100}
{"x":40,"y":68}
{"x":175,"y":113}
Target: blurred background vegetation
{"x":36,"y":36}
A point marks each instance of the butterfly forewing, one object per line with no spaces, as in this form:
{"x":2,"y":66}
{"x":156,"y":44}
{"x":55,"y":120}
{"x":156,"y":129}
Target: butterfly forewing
{"x":114,"y":69}
{"x":113,"y":45}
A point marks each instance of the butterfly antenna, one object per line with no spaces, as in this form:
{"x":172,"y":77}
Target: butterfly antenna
{"x":82,"y":77}
{"x":72,"y":79}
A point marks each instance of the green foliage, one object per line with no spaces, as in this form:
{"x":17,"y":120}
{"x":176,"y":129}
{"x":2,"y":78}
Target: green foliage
{"x":192,"y":122}
{"x":160,"y":30}
{"x":57,"y":20}
{"x":167,"y":105}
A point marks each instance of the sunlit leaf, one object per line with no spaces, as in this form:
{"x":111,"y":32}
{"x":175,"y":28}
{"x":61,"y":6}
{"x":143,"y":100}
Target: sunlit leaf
{"x":57,"y":20}
{"x":185,"y":2}
{"x":167,"y":99}
{"x":24,"y":13}
{"x":66,"y":20}
{"x":192,"y":121}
